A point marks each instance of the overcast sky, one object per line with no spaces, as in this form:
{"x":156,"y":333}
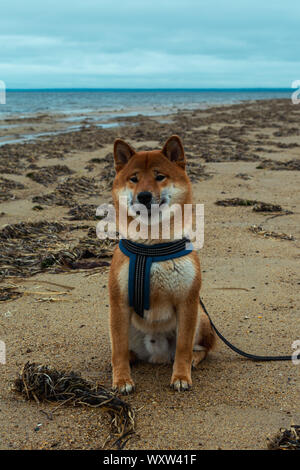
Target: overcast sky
{"x":149,"y":43}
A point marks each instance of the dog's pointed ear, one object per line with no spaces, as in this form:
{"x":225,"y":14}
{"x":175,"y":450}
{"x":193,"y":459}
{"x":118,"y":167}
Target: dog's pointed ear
{"x":122,"y":153}
{"x":173,"y":150}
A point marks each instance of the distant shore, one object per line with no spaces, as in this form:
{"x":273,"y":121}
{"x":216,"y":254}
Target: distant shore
{"x":74,"y":108}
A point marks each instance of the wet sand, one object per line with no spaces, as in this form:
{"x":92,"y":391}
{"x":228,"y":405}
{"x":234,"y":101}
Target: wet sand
{"x":250,"y":281}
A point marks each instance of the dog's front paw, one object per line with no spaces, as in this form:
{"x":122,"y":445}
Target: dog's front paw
{"x":181,"y":384}
{"x":124,"y":386}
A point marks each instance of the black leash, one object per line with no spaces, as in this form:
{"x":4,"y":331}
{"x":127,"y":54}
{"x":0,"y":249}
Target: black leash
{"x":253,"y":357}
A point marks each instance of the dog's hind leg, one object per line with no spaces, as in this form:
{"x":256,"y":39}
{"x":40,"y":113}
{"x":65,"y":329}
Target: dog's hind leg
{"x":198,"y":355}
{"x":205,"y":340}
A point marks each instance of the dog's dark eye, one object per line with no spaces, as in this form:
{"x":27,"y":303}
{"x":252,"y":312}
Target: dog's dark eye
{"x":134,"y":179}
{"x":160,"y":177}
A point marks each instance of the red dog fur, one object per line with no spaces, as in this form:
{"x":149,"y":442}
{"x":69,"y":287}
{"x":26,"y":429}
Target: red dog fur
{"x":175,"y":284}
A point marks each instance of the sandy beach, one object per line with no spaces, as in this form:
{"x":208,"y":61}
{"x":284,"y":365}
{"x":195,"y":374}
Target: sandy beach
{"x":50,"y":188}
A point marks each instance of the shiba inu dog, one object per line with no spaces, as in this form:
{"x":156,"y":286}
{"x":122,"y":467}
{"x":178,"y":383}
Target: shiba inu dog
{"x":174,"y":328}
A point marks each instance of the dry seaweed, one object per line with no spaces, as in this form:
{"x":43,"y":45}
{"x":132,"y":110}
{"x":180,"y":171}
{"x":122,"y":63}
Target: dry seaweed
{"x":10,"y":184}
{"x":49,"y":174}
{"x":267,"y":207}
{"x":83,"y":212}
{"x":258,"y":230}
{"x":86,"y":249}
{"x":24,"y":229}
{"x":196,"y":172}
{"x":44,"y":383}
{"x":291,"y":165}
{"x":6,"y":185}
{"x":54,"y":198}
{"x":66,"y":191}
{"x":243,"y":176}
{"x":9,"y":293}
{"x":107,"y":175}
{"x":236,"y":201}
{"x":27,"y":249}
{"x":286,"y":439}
{"x":258,"y":206}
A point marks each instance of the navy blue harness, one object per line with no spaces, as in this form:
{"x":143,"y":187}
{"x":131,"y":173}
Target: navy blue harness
{"x":141,"y":258}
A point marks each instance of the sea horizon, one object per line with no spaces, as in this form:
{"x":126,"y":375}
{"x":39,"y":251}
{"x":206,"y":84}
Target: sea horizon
{"x":166,"y":89}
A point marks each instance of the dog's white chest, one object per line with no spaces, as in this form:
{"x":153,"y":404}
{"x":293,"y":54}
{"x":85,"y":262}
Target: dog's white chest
{"x":172,"y":276}
{"x":169,"y":277}
{"x":170,"y":283}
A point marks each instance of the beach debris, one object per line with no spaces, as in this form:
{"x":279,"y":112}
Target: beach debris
{"x":285,"y":439}
{"x":39,"y":281}
{"x":9,"y":293}
{"x":83,"y":212}
{"x":286,"y":131}
{"x":50,"y":299}
{"x":6,"y":185}
{"x":47,"y":384}
{"x":86,"y":249}
{"x":65,"y":192}
{"x":14,"y":289}
{"x":10,"y":184}
{"x":91,"y":164}
{"x":107,"y":174}
{"x":29,"y":248}
{"x":244,"y":176}
{"x":258,"y":206}
{"x":291,"y":165}
{"x":235,"y":201}
{"x":5,"y":196}
{"x":23,"y":229}
{"x":196,"y":172}
{"x":267,"y":207}
{"x":258,"y":230}
{"x":49,"y":174}
{"x":100,"y":160}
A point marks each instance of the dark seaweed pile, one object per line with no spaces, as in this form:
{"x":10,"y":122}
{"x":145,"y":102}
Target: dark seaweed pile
{"x":44,"y":383}
{"x":29,"y":248}
{"x":286,"y":439}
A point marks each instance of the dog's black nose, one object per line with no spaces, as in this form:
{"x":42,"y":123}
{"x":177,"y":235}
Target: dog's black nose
{"x":144,"y":197}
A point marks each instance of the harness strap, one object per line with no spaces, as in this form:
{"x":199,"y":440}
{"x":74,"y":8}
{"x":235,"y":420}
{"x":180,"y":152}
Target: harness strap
{"x":141,"y":258}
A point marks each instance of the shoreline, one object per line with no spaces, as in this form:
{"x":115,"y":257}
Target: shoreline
{"x":16,"y":129}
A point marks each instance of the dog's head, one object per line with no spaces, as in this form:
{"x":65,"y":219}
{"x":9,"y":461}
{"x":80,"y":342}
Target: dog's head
{"x":151,"y":177}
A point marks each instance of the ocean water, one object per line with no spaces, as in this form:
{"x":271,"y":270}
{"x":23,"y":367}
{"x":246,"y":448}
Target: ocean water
{"x":110,"y":103}
{"x":70,"y":109}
